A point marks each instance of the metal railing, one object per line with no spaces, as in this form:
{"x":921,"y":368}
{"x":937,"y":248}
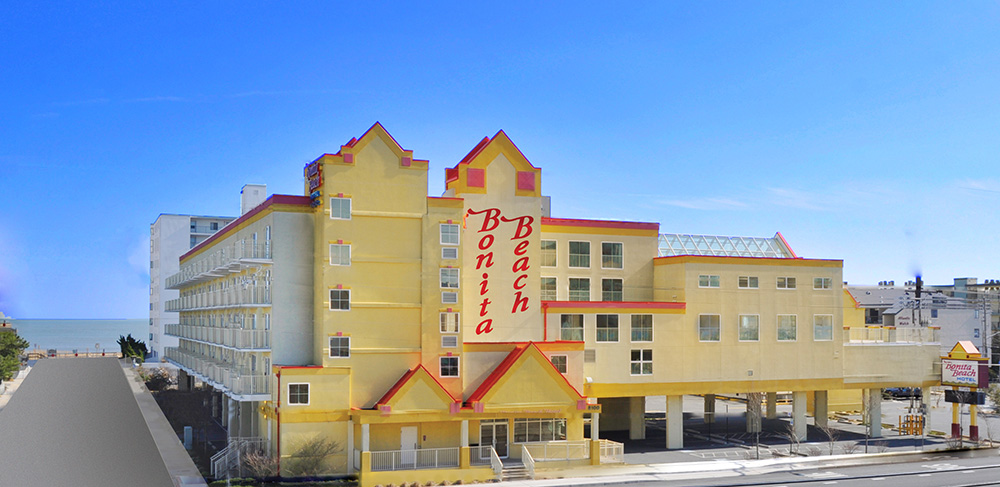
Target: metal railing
{"x":547,"y":451}
{"x":529,"y":463}
{"x":231,"y":457}
{"x":220,"y":262}
{"x":383,"y":461}
{"x":612,"y":452}
{"x":495,"y":462}
{"x":221,"y":375}
{"x":254,"y":295}
{"x":240,"y":338}
{"x":891,"y":334}
{"x":480,"y":455}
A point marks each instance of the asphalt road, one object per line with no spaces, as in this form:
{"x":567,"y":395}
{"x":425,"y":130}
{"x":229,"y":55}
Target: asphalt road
{"x":75,"y":422}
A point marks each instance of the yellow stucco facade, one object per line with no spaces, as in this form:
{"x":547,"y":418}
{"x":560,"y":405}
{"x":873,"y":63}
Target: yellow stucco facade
{"x":475,"y":320}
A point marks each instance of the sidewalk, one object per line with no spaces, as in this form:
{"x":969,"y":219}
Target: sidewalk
{"x":10,"y":387}
{"x":182,"y":469}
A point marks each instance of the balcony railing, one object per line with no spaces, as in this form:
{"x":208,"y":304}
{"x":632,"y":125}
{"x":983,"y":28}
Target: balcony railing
{"x":549,"y":451}
{"x":220,"y":375}
{"x":383,"y":461}
{"x":612,"y":452}
{"x":220,"y":262}
{"x":239,"y":338}
{"x":258,"y":295}
{"x":891,"y":334}
{"x":204,"y":229}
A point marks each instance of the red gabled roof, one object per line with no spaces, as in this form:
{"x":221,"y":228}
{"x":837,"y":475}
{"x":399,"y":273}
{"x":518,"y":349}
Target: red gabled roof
{"x":354,"y":140}
{"x":451,"y":174}
{"x":403,"y":380}
{"x":274,"y":199}
{"x":504,"y":367}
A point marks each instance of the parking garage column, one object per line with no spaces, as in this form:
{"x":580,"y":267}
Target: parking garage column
{"x":799,"y":415}
{"x":753,"y":413}
{"x":675,"y":422}
{"x":233,"y":423}
{"x":821,"y":408}
{"x":709,"y":408}
{"x":637,"y":418}
{"x":875,"y":412}
{"x":772,"y":405}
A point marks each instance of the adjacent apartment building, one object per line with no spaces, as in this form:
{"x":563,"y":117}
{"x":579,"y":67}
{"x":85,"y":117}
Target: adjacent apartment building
{"x":436,"y":338}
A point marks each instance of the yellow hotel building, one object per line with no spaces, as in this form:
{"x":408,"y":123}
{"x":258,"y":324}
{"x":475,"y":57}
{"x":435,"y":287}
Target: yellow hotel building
{"x":444,"y":338}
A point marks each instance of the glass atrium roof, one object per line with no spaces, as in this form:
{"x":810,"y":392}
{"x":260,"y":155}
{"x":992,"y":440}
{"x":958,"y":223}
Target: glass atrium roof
{"x":672,"y":244}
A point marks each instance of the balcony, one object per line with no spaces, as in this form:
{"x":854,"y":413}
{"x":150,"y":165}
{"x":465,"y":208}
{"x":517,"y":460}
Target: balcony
{"x":238,"y":384}
{"x":252,"y":296}
{"x":891,"y":334}
{"x":235,"y":338}
{"x":220,"y":262}
{"x":204,"y":229}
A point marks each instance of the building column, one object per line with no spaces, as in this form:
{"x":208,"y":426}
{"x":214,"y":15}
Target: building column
{"x":875,"y":412}
{"x":224,"y":411}
{"x":247,"y":418}
{"x":799,"y":415}
{"x":753,"y":415}
{"x":366,"y":456}
{"x":709,"y":408}
{"x":821,"y":408}
{"x":637,"y":418}
{"x":350,"y":445}
{"x":233,"y":424}
{"x":182,"y":380}
{"x":215,"y":405}
{"x":675,"y":422}
{"x":464,"y":453}
{"x":595,"y":426}
{"x":772,"y":405}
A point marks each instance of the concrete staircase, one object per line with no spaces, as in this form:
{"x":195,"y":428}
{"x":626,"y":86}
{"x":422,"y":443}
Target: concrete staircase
{"x":514,"y":471}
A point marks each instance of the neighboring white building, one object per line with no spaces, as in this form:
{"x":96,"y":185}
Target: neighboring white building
{"x":957,"y":317}
{"x":170,"y":236}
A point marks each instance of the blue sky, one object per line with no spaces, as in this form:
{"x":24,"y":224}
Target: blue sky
{"x":862,"y":131}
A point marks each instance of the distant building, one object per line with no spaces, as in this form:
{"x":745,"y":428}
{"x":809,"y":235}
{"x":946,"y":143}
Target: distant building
{"x":170,"y":236}
{"x":984,"y":296}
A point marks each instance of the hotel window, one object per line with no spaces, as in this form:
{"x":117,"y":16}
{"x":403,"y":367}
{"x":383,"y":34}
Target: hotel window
{"x":548,"y":289}
{"x":449,"y":278}
{"x":642,"y":328}
{"x":449,"y":366}
{"x":748,"y":282}
{"x":340,"y":208}
{"x":579,"y":289}
{"x":548,"y":253}
{"x":340,"y":299}
{"x":340,"y":347}
{"x":559,"y":361}
{"x":449,"y":253}
{"x":579,"y":254}
{"x":298,"y":394}
{"x":571,"y":328}
{"x":749,"y":328}
{"x":527,"y":430}
{"x":449,"y":322}
{"x":611,"y":289}
{"x":822,"y":283}
{"x":611,"y":255}
{"x":822,"y":328}
{"x":786,"y":328}
{"x":786,"y":283}
{"x":340,"y":254}
{"x":642,"y":362}
{"x":449,"y":234}
{"x":708,"y":281}
{"x":449,"y":298}
{"x":607,"y":328}
{"x":709,"y":328}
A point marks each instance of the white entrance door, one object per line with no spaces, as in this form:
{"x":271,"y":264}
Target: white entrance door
{"x":408,"y":443}
{"x":494,"y":433}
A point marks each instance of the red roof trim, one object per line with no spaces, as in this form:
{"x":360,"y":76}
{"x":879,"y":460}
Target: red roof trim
{"x":737,"y":257}
{"x":614,"y":304}
{"x":354,"y":141}
{"x":404,"y":379}
{"x":274,"y":199}
{"x":789,"y":247}
{"x":505,"y":366}
{"x":573,"y":222}
{"x":523,"y":343}
{"x":451,"y":174}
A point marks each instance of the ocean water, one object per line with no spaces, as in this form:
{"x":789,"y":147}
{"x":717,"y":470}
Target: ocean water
{"x":66,"y":335}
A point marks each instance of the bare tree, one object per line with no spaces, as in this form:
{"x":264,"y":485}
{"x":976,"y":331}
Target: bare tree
{"x":832,"y":435}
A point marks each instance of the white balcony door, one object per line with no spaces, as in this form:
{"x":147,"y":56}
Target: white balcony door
{"x":408,"y":445}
